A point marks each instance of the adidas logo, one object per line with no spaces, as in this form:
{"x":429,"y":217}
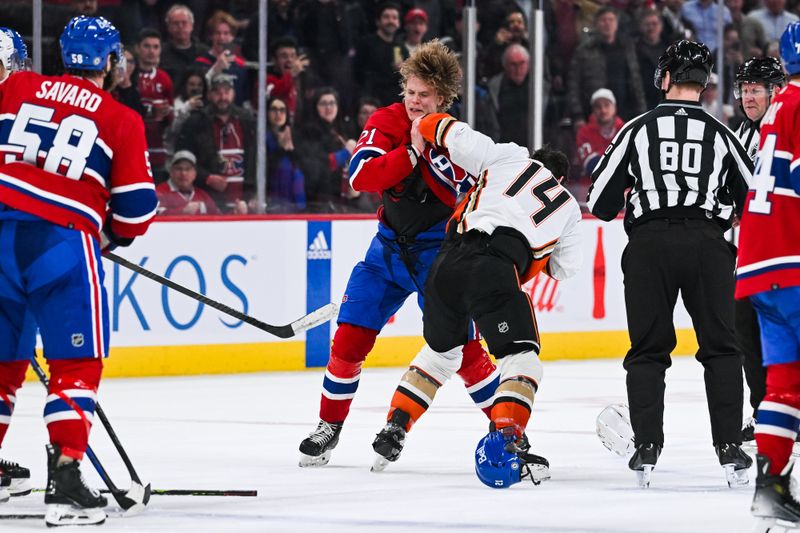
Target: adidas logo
{"x":319,"y":249}
{"x":681,"y":112}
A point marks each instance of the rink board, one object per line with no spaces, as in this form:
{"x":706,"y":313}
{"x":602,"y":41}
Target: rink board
{"x":279,"y":270}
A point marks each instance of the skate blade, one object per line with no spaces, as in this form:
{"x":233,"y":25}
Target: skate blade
{"x":69,"y":515}
{"x":768,"y":524}
{"x":736,"y":478}
{"x":643,"y":476}
{"x":20,"y":487}
{"x":315,"y":460}
{"x":380,"y":463}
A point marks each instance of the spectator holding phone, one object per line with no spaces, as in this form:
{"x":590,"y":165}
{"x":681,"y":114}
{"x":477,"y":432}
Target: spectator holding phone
{"x":192,"y":95}
{"x":221,"y":58}
{"x":283,"y":77}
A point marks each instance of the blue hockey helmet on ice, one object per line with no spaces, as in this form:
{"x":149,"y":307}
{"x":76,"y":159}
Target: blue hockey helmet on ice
{"x":15,"y":58}
{"x":496,"y":467}
{"x":87,"y":42}
{"x":790,"y":48}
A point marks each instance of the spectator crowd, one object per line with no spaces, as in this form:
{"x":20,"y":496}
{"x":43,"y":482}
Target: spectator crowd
{"x":192,"y":75}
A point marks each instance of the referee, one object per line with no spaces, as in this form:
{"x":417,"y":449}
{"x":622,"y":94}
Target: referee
{"x":687,"y":174}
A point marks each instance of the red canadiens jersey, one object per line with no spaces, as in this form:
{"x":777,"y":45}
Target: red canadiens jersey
{"x":173,"y":202}
{"x":592,"y":141}
{"x":769,"y":235}
{"x":155,"y":90}
{"x":381,"y":161}
{"x":70,"y":153}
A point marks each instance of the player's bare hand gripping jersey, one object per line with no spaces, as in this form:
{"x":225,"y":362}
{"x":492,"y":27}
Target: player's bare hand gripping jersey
{"x":769,"y":248}
{"x":514,"y":191}
{"x":70,"y":154}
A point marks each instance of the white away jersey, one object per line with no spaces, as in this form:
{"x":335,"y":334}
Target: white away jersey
{"x":514,"y":191}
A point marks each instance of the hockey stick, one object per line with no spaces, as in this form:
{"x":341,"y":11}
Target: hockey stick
{"x":135,"y":498}
{"x":189,"y":492}
{"x":311,"y":320}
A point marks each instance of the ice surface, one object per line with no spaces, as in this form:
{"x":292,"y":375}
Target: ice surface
{"x":242,"y":432}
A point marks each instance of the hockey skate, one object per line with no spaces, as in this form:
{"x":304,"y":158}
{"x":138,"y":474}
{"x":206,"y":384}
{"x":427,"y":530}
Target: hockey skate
{"x":70,"y":502}
{"x":20,"y":478}
{"x":644,"y":461}
{"x":389,"y":441}
{"x":735,"y":462}
{"x":775,"y":504}
{"x":316,"y":449}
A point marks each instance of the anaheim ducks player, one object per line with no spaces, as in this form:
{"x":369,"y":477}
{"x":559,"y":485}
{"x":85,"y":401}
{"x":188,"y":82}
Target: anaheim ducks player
{"x":515,"y":222}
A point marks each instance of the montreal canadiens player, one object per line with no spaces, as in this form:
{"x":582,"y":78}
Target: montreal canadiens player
{"x":768,"y":273}
{"x":419,"y":186}
{"x":517,"y":221}
{"x":73,"y":173}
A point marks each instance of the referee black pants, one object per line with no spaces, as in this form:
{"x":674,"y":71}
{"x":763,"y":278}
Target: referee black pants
{"x":665,"y":257}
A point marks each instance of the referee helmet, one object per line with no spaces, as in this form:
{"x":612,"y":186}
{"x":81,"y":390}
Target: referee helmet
{"x":766,"y":70}
{"x":686,"y":62}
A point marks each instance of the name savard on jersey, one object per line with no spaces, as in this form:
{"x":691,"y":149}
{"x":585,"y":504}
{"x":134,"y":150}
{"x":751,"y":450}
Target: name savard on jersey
{"x":68,"y":151}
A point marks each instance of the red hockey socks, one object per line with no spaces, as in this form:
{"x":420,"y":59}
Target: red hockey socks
{"x":12,"y":374}
{"x":480,"y":375}
{"x":71,"y":400}
{"x":779,"y":415}
{"x":351,"y":344}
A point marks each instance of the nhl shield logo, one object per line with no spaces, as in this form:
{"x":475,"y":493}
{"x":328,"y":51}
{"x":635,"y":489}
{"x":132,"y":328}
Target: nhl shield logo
{"x":77,"y":340}
{"x":502,"y":327}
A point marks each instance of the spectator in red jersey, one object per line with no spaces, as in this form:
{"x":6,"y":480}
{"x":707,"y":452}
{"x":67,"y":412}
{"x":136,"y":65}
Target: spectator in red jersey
{"x":286,"y":188}
{"x":223,"y":137}
{"x":178,"y":195}
{"x":594,"y":137}
{"x":180,"y":48}
{"x":221,"y":58}
{"x":283,"y":76}
{"x":326,"y":153}
{"x":157,"y":97}
{"x":416,"y":26}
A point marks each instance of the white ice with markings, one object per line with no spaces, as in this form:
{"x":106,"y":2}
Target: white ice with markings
{"x":242,"y":432}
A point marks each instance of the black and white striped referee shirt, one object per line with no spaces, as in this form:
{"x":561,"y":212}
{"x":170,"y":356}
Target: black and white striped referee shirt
{"x":677,"y":161}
